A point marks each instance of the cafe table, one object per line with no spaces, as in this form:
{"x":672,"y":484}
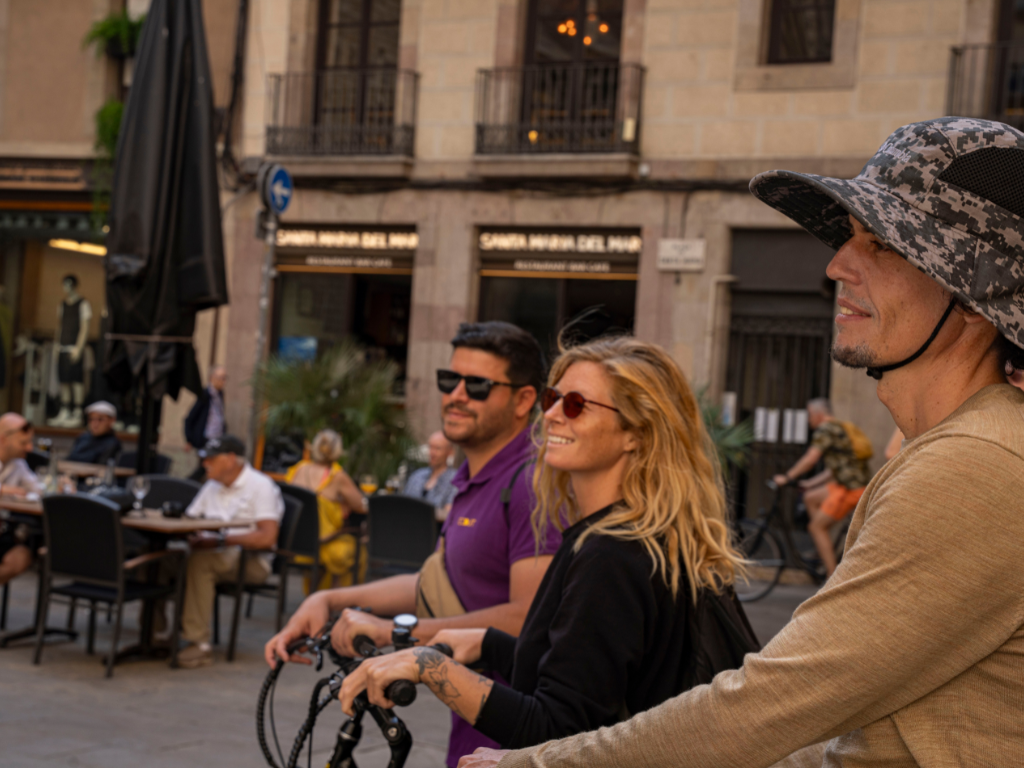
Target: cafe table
{"x":82,"y":469}
{"x":151,"y":522}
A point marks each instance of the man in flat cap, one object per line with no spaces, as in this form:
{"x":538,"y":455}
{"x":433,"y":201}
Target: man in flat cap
{"x":98,"y":444}
{"x":912,"y":654}
{"x":251,"y":502}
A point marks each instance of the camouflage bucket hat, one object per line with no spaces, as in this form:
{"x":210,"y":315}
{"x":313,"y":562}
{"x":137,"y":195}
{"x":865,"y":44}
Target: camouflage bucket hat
{"x":946,"y":194}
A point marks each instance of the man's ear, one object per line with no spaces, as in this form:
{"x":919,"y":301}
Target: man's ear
{"x":526,"y":398}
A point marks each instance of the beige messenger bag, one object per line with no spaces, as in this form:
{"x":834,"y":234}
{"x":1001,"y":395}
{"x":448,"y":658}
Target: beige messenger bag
{"x":435,"y":595}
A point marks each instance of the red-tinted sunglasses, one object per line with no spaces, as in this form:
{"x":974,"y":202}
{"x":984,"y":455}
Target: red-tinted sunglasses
{"x":573,"y":403}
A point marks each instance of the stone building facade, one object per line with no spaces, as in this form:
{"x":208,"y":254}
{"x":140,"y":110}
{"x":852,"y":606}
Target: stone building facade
{"x":500,"y":149}
{"x":531,"y":159}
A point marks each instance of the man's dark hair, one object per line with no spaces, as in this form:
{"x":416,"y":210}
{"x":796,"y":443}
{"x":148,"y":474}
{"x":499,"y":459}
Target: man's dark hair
{"x":509,"y":342}
{"x":72,"y":278}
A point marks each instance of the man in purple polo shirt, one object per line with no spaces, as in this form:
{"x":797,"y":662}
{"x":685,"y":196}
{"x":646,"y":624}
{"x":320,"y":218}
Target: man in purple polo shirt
{"x":488,"y":394}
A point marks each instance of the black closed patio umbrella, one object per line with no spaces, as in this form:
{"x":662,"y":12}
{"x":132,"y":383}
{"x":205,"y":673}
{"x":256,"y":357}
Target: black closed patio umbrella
{"x":165,"y":252}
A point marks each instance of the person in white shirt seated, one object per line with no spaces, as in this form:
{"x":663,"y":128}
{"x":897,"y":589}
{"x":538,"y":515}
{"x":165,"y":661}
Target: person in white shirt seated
{"x":235,"y":493}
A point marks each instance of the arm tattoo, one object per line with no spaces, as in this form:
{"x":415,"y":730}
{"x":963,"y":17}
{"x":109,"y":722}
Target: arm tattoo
{"x":433,"y":667}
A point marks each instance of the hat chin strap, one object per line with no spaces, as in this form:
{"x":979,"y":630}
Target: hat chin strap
{"x":876,"y":372}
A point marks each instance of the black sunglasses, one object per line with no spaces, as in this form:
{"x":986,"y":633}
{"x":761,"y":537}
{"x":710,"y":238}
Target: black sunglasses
{"x":573,"y":403}
{"x":477,"y":387}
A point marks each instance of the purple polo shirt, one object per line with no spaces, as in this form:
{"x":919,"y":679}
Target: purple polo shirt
{"x":481,"y":546}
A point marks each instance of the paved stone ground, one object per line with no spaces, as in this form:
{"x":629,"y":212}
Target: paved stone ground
{"x":64,"y":712}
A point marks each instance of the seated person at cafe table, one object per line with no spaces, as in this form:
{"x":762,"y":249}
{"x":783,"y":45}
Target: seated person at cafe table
{"x":98,"y":444}
{"x":251,"y":503}
{"x":337,"y":497}
{"x":16,"y":479}
{"x":433,"y":483}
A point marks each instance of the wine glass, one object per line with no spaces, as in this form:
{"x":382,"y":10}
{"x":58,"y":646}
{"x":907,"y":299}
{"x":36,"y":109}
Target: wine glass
{"x":368,"y":484}
{"x":139,"y":487}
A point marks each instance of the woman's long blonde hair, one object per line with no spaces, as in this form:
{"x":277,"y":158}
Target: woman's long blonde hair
{"x":673,"y":502}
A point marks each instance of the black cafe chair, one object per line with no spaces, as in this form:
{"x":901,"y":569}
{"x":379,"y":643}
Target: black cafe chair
{"x":238,"y":588}
{"x":84,"y":544}
{"x":37,"y":460}
{"x":402,"y":534}
{"x":161,"y":463}
{"x":164,"y":488}
{"x":305,"y":543}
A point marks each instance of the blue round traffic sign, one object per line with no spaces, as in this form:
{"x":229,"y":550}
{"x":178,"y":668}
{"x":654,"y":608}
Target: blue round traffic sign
{"x":278,"y":189}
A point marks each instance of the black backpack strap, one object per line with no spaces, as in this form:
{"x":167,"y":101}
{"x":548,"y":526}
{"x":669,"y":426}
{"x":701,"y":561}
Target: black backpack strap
{"x":743,"y":636}
{"x":506,"y":493}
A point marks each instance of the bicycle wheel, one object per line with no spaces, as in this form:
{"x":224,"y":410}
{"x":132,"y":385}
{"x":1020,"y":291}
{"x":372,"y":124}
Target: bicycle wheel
{"x":764,"y":554}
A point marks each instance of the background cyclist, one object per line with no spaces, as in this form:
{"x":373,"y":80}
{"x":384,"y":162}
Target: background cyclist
{"x":833,"y":494}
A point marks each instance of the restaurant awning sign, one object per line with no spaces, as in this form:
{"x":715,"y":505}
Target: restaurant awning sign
{"x":563,"y":253}
{"x":320,"y":247}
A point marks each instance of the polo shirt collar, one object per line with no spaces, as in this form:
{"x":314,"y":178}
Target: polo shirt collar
{"x":514,"y":451}
{"x":242,"y":478}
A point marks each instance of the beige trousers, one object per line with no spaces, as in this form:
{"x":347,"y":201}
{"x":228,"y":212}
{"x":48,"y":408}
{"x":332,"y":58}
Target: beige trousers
{"x":207,"y":568}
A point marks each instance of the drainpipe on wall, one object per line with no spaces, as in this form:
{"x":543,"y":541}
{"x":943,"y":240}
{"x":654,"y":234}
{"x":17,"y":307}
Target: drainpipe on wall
{"x":709,"y":330}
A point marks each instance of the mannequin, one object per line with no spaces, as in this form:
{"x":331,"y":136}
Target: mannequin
{"x":73,"y":316}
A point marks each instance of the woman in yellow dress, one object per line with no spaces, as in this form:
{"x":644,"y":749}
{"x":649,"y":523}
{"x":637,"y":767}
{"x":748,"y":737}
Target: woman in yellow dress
{"x":338,"y":496}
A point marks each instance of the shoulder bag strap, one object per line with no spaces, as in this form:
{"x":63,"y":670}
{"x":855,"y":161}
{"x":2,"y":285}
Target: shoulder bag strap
{"x":506,"y":493}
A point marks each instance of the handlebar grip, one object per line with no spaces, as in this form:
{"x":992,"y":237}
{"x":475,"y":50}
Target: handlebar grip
{"x":365,"y":646}
{"x":445,"y":649}
{"x":402,"y":692}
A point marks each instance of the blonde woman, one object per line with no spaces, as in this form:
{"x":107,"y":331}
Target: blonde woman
{"x":624,"y":453}
{"x":338,"y":496}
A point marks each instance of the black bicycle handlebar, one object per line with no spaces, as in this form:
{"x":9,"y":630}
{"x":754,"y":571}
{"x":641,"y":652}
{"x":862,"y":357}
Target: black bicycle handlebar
{"x":401,"y":692}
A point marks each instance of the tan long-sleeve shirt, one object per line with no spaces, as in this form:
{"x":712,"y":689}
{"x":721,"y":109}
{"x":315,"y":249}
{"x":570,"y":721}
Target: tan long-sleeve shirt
{"x":911,"y":655}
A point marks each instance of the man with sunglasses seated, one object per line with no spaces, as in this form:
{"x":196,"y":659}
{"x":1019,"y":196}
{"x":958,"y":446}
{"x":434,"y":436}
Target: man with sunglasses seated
{"x":16,"y":479}
{"x":487,"y":568}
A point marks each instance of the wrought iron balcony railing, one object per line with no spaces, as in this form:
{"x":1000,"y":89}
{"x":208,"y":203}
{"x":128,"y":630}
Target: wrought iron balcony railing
{"x":573,"y":108}
{"x":342,"y":112}
{"x":988,"y":81}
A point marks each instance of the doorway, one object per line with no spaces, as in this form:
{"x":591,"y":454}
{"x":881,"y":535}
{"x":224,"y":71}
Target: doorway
{"x":779,"y":340}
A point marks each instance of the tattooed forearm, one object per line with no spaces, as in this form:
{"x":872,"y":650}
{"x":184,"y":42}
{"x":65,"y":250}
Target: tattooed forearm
{"x":457,"y":687}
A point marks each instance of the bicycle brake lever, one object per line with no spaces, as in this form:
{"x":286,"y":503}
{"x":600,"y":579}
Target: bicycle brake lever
{"x":319,"y":659}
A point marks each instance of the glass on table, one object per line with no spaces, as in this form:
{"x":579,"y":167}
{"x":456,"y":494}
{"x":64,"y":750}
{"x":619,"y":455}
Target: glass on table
{"x":368,"y":484}
{"x":139,"y":488}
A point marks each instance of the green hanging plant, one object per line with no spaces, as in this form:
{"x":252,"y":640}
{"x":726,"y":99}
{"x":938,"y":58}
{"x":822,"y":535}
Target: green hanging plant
{"x":108,"y":127}
{"x":116,"y":35}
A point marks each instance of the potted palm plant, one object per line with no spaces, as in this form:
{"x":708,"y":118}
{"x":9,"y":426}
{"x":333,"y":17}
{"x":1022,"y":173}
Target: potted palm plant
{"x":343,"y":391}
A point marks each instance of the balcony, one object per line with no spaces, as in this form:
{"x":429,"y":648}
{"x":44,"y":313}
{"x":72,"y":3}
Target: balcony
{"x":987,"y":81}
{"x":342,"y":112}
{"x":559,"y":109}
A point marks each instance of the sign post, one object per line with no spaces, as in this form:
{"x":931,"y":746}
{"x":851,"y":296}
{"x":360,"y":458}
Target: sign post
{"x":275,"y":188}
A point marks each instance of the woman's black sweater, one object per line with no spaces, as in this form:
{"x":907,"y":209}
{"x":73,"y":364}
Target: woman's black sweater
{"x":604,"y":639}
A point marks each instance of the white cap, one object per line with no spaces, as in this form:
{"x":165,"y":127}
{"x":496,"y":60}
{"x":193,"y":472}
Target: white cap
{"x":102,"y":406}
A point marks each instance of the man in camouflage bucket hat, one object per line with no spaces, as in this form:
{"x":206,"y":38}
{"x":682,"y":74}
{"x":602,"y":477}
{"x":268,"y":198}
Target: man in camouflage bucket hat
{"x":912,"y":654}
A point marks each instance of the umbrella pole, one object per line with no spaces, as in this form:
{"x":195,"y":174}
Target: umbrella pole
{"x":148,"y":427}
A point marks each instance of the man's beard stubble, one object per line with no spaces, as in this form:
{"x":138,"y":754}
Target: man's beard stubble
{"x":482,"y":431}
{"x":853,"y":357}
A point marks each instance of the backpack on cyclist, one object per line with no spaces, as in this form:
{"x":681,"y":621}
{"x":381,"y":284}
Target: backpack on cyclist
{"x":721,"y":636}
{"x":862,"y":448}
